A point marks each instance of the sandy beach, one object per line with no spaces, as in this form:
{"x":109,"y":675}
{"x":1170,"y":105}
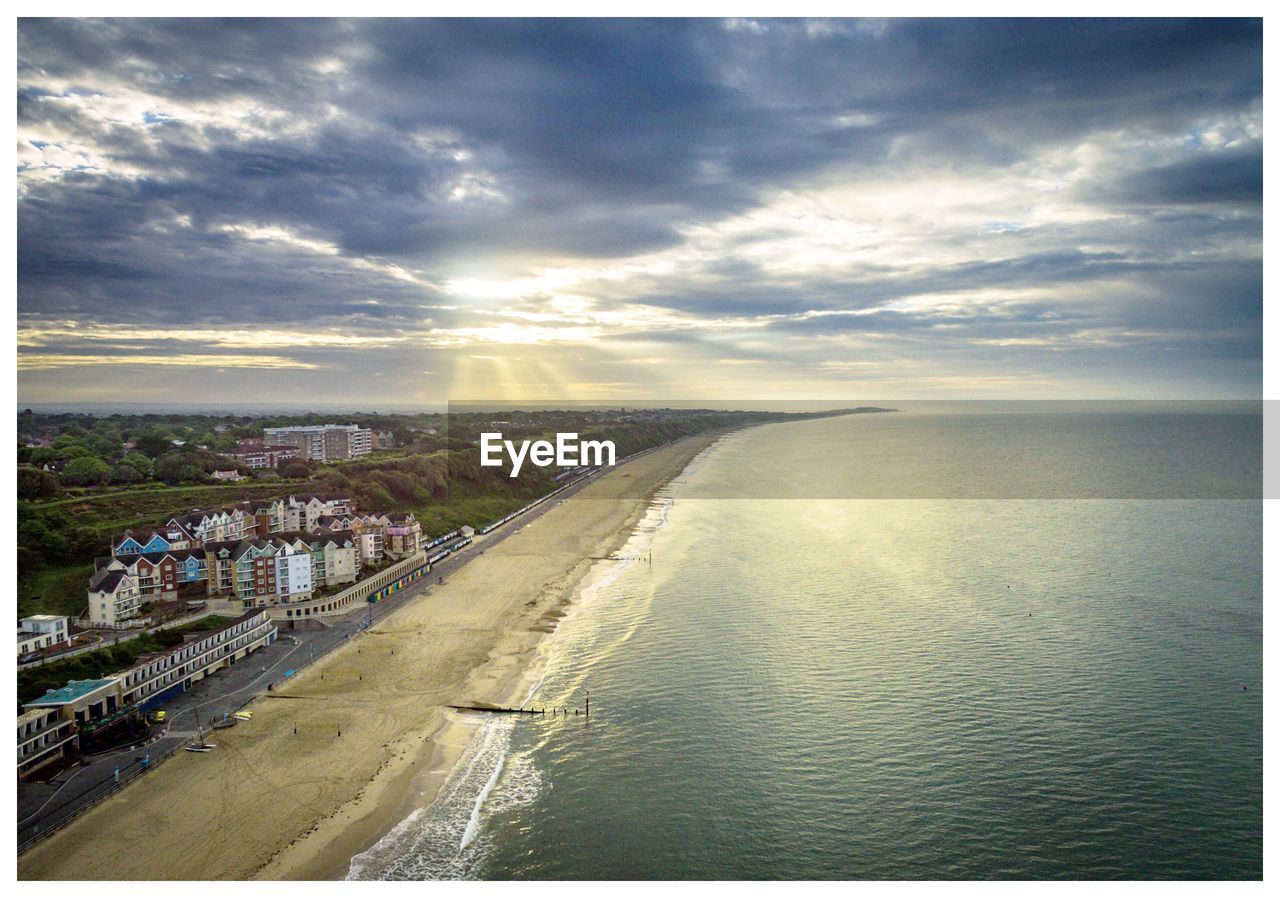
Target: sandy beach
{"x":372,"y":740}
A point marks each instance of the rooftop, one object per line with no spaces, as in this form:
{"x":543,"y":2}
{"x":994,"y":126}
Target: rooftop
{"x":65,"y":695}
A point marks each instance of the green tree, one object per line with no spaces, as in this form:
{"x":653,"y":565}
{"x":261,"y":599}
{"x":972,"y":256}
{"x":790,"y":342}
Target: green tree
{"x":123,"y":473}
{"x":75,"y":450}
{"x":36,"y":484}
{"x":153,"y":445}
{"x":294,"y":468}
{"x":104,"y":447}
{"x":86,"y":471}
{"x":42,"y":540}
{"x":43,"y":455}
{"x":139,"y":463}
{"x":66,"y":441}
{"x":169,"y":467}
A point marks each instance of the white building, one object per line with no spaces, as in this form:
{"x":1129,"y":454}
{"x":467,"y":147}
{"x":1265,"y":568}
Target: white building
{"x":323,"y":442}
{"x":113,"y":598}
{"x":307,"y":511}
{"x":44,"y":736}
{"x":293,"y":573}
{"x":49,"y":727}
{"x":41,"y":631}
{"x":164,"y":674}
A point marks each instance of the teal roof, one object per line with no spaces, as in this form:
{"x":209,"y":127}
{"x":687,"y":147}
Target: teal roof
{"x":69,"y":693}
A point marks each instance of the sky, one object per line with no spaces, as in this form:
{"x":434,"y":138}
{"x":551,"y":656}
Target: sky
{"x":376,"y":213}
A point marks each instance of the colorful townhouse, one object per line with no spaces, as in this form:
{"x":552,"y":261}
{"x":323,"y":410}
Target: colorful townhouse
{"x":286,"y":568}
{"x":264,"y":553}
{"x":155,"y":575}
{"x":370,"y":532}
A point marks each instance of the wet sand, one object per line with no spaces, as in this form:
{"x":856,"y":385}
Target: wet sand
{"x":373,"y":741}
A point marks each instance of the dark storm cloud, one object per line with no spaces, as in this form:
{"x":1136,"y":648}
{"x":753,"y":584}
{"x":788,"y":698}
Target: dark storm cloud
{"x":1226,"y":178}
{"x":384,"y":148}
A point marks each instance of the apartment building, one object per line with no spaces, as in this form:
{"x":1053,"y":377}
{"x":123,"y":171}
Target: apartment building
{"x":189,"y":531}
{"x":402,"y":535}
{"x":159,"y":676}
{"x":265,"y":552}
{"x":308,"y":510}
{"x":258,"y":455}
{"x":159,"y":575}
{"x":335,"y":559}
{"x":44,"y":739}
{"x":286,"y":568}
{"x":113,"y":597}
{"x":41,"y":631}
{"x":259,"y":572}
{"x":323,"y":442}
{"x":81,"y":700}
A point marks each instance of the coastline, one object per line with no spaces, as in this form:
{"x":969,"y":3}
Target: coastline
{"x":373,"y":741}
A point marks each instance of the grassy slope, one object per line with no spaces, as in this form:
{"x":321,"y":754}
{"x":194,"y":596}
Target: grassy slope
{"x":54,"y":590}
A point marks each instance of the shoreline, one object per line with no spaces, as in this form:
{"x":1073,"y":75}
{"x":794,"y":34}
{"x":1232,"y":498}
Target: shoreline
{"x":373,"y":743}
{"x":439,"y":757}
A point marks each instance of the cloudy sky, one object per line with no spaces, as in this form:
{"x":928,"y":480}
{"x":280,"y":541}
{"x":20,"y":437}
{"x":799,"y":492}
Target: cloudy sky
{"x":378,"y":213}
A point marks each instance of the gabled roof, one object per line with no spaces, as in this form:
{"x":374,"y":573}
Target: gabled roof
{"x":142,"y":537}
{"x":236,"y":548}
{"x":107,"y":580}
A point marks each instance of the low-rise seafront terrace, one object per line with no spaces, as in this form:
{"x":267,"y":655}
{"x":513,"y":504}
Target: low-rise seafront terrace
{"x":44,"y":737}
{"x":161,"y":675}
{"x":85,"y":709}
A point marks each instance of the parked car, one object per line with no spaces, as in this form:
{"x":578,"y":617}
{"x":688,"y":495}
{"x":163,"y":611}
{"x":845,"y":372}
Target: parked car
{"x":28,"y":658}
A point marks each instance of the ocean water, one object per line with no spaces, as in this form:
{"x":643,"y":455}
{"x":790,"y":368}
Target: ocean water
{"x":883,"y":647}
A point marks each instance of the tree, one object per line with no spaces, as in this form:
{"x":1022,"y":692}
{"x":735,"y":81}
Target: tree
{"x":36,"y":484}
{"x":191,"y":473}
{"x":153,"y":445}
{"x":126,"y":474}
{"x":139,"y":463}
{"x":294,"y":468}
{"x":41,"y":539}
{"x":66,"y":441}
{"x":43,"y":455}
{"x":179,"y":467}
{"x":86,"y":471}
{"x":104,"y":447}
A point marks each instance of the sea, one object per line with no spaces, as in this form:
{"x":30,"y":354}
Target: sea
{"x":942,"y":643}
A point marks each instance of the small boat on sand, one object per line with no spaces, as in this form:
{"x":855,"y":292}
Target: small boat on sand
{"x":203,"y":746}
